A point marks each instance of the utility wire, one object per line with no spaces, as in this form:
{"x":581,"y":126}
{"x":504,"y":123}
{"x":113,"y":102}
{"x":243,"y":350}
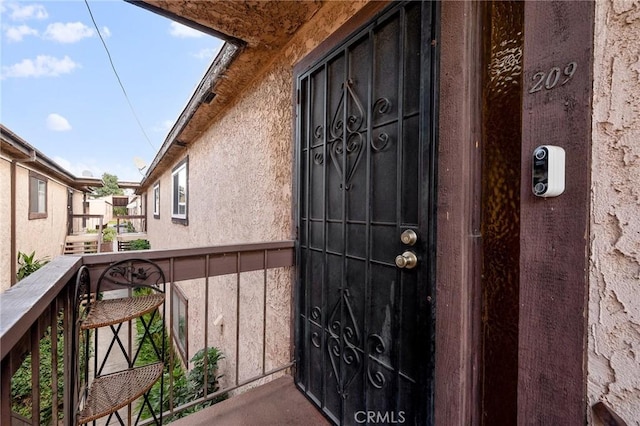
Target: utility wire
{"x":113,"y":67}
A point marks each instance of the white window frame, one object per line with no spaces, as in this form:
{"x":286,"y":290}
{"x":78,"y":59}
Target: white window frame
{"x":180,"y":172}
{"x":156,"y":200}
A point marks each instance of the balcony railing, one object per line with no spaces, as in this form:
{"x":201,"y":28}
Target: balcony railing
{"x":138,"y":223}
{"x":81,"y":223}
{"x":244,"y":275}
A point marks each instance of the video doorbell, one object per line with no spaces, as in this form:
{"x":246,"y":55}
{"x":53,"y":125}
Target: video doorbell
{"x":548,"y":171}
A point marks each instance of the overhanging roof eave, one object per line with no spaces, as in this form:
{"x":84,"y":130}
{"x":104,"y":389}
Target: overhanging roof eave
{"x":227,"y":54}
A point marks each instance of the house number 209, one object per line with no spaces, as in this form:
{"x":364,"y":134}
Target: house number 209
{"x":549,"y":80}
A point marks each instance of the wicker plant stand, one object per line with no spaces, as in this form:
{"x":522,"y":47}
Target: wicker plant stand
{"x":105,"y":394}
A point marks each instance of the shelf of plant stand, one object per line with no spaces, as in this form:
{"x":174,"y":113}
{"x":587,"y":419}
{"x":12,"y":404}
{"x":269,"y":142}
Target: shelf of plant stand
{"x":115,"y":311}
{"x":109,"y":393}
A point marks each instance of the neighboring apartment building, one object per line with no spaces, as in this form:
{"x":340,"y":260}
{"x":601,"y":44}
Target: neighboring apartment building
{"x":38,"y":197}
{"x":371,"y":132}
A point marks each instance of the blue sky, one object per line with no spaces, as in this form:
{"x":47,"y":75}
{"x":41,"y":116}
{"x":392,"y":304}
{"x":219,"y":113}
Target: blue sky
{"x":59,"y":93}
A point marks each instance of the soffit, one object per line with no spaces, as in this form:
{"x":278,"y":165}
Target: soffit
{"x":258,"y":23}
{"x":17,"y":149}
{"x":256,"y":29}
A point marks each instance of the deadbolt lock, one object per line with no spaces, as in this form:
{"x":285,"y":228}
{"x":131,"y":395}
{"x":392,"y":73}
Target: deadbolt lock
{"x":407,"y":260}
{"x":409,"y":237}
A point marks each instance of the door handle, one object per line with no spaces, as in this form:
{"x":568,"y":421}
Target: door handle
{"x":409,"y":237}
{"x":406,"y":260}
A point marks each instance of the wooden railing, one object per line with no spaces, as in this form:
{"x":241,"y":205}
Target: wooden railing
{"x":139,"y":222}
{"x":80,"y":223}
{"x":43,"y":300}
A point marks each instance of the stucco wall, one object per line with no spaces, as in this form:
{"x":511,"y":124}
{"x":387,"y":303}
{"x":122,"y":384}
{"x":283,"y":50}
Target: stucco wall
{"x":5,"y":223}
{"x":240,"y":190}
{"x":240,"y":170}
{"x":614,"y":296}
{"x":44,"y":236}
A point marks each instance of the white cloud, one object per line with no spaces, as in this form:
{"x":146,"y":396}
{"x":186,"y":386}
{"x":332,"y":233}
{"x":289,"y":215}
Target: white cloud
{"x":106,"y":32}
{"x":206,"y":53}
{"x":165,"y":126}
{"x":78,"y":168}
{"x":70,"y":32}
{"x":58,"y":123}
{"x":65,"y":164}
{"x":43,"y":66}
{"x":182,"y":31}
{"x":24,"y":12}
{"x":19,"y":32}
{"x":125,"y":171}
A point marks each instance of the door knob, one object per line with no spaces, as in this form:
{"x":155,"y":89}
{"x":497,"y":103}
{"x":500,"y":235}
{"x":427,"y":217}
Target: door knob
{"x":409,"y":237}
{"x":407,"y":260}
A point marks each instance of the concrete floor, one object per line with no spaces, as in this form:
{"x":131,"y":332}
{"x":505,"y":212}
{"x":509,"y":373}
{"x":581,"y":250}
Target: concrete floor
{"x":278,"y":403}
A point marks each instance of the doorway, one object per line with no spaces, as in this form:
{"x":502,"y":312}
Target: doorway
{"x":366,"y":163}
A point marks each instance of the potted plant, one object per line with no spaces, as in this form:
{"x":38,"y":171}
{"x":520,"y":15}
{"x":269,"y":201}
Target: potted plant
{"x":108,"y":235}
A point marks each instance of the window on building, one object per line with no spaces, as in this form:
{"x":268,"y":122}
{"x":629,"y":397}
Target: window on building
{"x":156,"y":201}
{"x":180,"y":192}
{"x":180,"y":319}
{"x":37,"y":196}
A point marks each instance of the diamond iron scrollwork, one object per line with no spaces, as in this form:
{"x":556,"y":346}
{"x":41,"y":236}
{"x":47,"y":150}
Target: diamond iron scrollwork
{"x":347,"y":155}
{"x":343,"y":342}
{"x":350,"y":152}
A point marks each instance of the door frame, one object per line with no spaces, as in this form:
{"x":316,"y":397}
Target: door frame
{"x":456,"y":383}
{"x":458,"y":362}
{"x":458,"y":245}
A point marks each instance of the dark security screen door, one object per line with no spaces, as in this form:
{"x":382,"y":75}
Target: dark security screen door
{"x":365,"y":177}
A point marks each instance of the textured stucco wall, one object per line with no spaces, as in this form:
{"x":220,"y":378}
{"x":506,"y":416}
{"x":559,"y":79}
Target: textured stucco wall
{"x":5,"y":223}
{"x":44,"y":236}
{"x":614,"y":296}
{"x":240,"y":190}
{"x":240,"y":170}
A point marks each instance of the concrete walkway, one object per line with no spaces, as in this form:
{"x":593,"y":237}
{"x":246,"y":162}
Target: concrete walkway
{"x":278,"y":403}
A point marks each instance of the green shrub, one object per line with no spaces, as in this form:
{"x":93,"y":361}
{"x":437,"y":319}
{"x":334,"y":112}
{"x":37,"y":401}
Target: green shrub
{"x":120,"y":211}
{"x":139,"y":245}
{"x":186,"y":387}
{"x":130,"y":227}
{"x":21,"y":381}
{"x":108,"y":234}
{"x":28,"y":264}
{"x":196,"y":374}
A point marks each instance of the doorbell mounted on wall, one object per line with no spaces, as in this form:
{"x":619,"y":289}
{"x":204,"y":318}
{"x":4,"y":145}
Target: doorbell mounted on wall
{"x":548,"y":171}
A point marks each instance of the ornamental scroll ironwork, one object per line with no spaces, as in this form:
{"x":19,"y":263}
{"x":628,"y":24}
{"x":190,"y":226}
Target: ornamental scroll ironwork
{"x":343,"y":343}
{"x":138,"y":273}
{"x":82,"y":293}
{"x":376,"y":377}
{"x":346,"y":140}
{"x":316,"y":315}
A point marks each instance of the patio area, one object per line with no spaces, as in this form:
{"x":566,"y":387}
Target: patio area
{"x":48,"y":297}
